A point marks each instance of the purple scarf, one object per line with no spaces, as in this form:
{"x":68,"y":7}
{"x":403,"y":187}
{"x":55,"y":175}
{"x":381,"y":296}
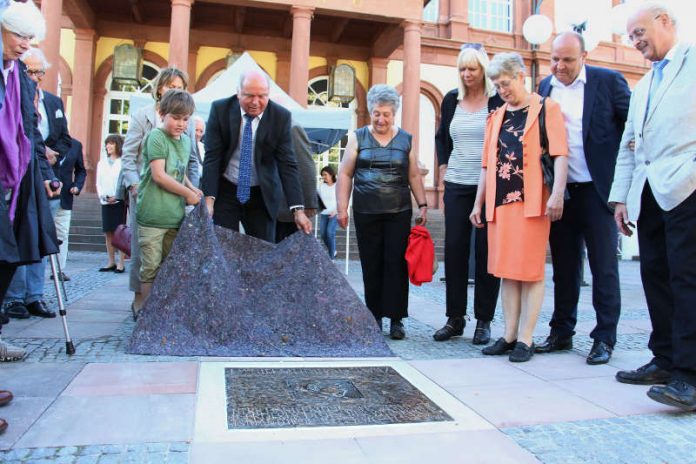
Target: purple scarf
{"x":15,"y":148}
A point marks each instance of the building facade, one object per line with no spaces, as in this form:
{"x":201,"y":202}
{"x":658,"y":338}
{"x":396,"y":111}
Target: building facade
{"x":410,"y":44}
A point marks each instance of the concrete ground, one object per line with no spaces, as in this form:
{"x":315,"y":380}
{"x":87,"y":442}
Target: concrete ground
{"x":102,"y":405}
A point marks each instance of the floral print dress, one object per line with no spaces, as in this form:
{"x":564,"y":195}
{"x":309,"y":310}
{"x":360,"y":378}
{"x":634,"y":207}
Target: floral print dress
{"x":509,"y":186}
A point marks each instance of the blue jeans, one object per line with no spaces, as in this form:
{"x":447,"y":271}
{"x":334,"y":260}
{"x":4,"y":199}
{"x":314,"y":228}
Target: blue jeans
{"x":27,"y":285}
{"x":328,"y":226}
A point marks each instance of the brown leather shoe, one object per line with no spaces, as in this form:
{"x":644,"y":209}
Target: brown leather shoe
{"x":5,"y":397}
{"x":3,"y":426}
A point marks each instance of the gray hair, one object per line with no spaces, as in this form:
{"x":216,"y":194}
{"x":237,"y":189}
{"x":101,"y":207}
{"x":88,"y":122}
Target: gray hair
{"x":36,"y":53}
{"x":251,"y":72}
{"x":657,"y":9}
{"x":24,"y":19}
{"x":197,"y":118}
{"x":383,"y":94}
{"x":509,"y":64}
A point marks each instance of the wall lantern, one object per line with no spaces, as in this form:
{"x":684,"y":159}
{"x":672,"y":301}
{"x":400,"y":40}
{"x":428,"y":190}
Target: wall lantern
{"x":128,"y":64}
{"x":342,"y":83}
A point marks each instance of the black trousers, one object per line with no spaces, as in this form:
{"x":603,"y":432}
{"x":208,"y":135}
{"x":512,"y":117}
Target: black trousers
{"x":586,"y":219}
{"x":667,"y":241}
{"x":229,"y":212}
{"x":459,"y":200}
{"x":7,"y":271}
{"x":382,"y":242}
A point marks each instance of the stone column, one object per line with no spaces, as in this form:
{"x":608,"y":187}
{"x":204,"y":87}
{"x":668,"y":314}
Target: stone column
{"x":410,"y":104}
{"x":299,"y":54}
{"x":378,"y":70}
{"x":81,"y":114}
{"x":459,"y":20}
{"x":52,"y":11}
{"x":179,"y":33}
{"x":192,"y":59}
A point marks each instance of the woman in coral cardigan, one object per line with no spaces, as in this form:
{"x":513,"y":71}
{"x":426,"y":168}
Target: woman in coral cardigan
{"x":519,"y":207}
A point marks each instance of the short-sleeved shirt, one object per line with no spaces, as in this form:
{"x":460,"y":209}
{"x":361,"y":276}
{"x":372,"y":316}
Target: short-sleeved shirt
{"x":509,"y":167}
{"x":158,"y":207}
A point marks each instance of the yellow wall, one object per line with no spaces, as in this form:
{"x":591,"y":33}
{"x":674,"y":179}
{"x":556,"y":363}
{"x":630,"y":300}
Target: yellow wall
{"x":105,"y":48}
{"x":67,"y":47}
{"x":395,"y":72}
{"x":266,"y":60}
{"x":160,"y":48}
{"x":207,"y":56}
{"x":316,"y":61}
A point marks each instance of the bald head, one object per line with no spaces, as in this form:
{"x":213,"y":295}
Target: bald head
{"x":254,"y":87}
{"x":567,"y":57}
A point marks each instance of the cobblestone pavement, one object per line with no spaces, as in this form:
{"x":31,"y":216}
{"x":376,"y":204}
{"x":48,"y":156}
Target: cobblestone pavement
{"x":654,"y":438}
{"x":142,"y":453}
{"x":649,"y":439}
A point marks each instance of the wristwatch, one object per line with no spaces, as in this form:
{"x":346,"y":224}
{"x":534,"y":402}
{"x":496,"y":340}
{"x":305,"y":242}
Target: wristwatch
{"x":294,"y":209}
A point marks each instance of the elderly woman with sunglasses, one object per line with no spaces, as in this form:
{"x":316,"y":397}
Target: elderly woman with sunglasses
{"x":459,"y":142}
{"x":519,"y":207}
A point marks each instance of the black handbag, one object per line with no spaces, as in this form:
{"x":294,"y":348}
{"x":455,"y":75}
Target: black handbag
{"x":546,"y":159}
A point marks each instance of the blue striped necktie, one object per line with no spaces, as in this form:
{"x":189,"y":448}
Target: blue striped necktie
{"x":658,"y":68}
{"x":245,"y":159}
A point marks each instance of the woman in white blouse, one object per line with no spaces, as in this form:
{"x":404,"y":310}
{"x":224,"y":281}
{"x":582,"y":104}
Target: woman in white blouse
{"x":113,"y":209}
{"x":328,"y":221}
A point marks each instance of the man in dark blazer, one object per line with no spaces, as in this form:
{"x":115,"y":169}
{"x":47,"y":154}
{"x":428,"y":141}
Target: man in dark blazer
{"x":271,"y":165}
{"x":594,"y":102}
{"x":62,"y":153}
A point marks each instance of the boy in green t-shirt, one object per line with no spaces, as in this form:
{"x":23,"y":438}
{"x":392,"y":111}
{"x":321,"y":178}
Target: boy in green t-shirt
{"x":164,"y":190}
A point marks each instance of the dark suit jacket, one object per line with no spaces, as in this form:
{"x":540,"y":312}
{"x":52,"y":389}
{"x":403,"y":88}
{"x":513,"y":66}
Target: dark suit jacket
{"x":274,"y":157}
{"x":70,"y":170}
{"x":58,"y":136}
{"x":607,"y":96}
{"x":307,"y":170}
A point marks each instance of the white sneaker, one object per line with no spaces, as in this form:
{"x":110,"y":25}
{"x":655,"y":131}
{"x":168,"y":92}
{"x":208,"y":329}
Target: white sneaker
{"x":10,"y":353}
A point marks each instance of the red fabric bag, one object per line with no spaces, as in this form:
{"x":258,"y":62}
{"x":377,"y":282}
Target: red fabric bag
{"x":420,"y":256}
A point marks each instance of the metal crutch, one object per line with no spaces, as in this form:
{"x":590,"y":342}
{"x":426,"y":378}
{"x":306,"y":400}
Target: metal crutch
{"x":55,"y":269}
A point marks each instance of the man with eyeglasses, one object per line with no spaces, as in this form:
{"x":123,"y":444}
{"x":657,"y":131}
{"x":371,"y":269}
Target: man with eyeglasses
{"x":655,"y":185}
{"x":63,"y":153}
{"x":594,"y":102}
{"x":249,"y":158}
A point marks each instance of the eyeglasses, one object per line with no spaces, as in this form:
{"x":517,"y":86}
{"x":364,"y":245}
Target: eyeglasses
{"x":36,"y":72}
{"x":502,"y":85}
{"x":23,"y":38}
{"x":639,"y":32}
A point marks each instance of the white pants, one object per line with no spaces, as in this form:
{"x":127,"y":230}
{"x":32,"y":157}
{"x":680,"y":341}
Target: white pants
{"x":61,"y":219}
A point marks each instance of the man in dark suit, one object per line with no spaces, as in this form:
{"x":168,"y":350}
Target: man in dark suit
{"x":64,"y":154}
{"x":594,"y":102}
{"x":248,"y":158}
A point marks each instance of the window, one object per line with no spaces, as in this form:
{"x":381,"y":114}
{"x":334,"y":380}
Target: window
{"x":318,"y":95}
{"x":494,"y":15}
{"x":431,"y":11}
{"x":117,"y":101}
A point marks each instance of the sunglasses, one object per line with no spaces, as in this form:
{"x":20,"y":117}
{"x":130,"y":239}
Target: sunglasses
{"x":475,"y":45}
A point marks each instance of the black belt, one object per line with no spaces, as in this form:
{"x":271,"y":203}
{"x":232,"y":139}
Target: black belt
{"x":576,"y":185}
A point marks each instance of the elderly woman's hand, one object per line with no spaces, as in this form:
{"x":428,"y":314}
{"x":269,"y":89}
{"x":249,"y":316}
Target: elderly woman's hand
{"x":342,"y":219}
{"x":554,"y":207}
{"x":475,"y":216}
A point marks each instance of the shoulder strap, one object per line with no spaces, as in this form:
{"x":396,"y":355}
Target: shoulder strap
{"x":543,"y":138}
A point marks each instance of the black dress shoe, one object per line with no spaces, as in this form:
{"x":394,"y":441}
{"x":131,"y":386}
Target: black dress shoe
{"x":16,"y":310}
{"x":521,"y":353}
{"x":396,"y":330}
{"x":501,"y":346}
{"x":38,"y":308}
{"x":120,"y":270}
{"x":107,"y":269}
{"x":61,"y":276}
{"x":482,"y":334}
{"x":600,"y":353}
{"x":453,"y":328}
{"x":676,"y":393}
{"x":554,"y":343}
{"x":648,"y":374}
